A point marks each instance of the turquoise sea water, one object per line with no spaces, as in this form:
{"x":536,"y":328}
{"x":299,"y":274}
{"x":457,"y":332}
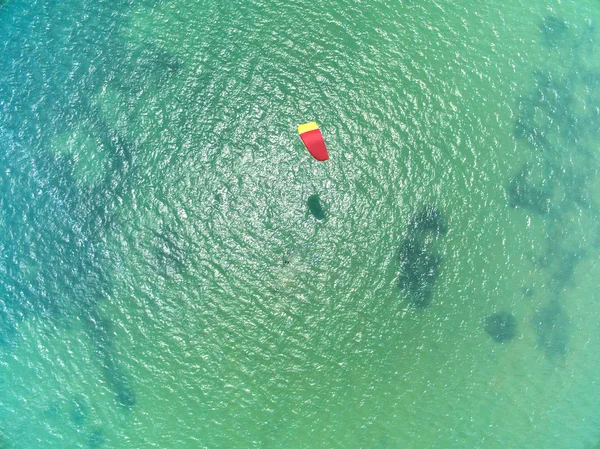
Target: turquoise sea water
{"x":166,"y":282}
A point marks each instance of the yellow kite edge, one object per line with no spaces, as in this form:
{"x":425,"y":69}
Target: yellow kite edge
{"x":310,"y":126}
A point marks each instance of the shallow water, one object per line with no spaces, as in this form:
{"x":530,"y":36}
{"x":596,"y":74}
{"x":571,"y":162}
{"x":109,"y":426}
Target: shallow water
{"x":165,"y":279}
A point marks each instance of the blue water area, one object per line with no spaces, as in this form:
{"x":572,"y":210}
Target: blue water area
{"x":177,"y":271}
{"x":55,"y":264}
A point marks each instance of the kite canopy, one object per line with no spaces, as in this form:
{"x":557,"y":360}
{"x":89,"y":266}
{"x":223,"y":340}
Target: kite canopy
{"x":313,"y":140}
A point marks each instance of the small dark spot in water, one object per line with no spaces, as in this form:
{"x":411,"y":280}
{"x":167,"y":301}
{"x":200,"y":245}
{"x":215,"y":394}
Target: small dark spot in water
{"x":125,"y":395}
{"x":566,"y":269}
{"x":528,"y":292}
{"x":96,"y":439}
{"x":428,"y":219}
{"x":315,"y":207}
{"x":52,"y":411}
{"x":538,"y":140}
{"x":170,"y":250}
{"x":553,"y":30}
{"x":553,"y":96}
{"x":551,"y":326}
{"x":502,"y":327}
{"x":113,"y":373}
{"x":169,"y":63}
{"x":522,"y":193}
{"x":546,"y":110}
{"x":576,"y":188}
{"x":153,"y":64}
{"x":78,"y":411}
{"x":8,"y":326}
{"x":285,"y":262}
{"x":525,"y":125}
{"x":419,"y":269}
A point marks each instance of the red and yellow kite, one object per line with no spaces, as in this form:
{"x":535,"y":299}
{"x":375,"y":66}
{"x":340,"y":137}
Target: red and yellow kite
{"x":313,"y":140}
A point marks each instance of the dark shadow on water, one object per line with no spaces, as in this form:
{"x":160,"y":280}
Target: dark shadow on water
{"x":523,"y":192}
{"x":502,"y":327}
{"x":576,"y":188}
{"x":419,"y":261}
{"x":100,"y":334}
{"x":78,"y":411}
{"x":525,"y":124}
{"x":315,"y":207}
{"x":53,"y":257}
{"x":547,"y":111}
{"x":149,"y":67}
{"x":419,"y":269}
{"x":567,"y":263}
{"x":9,"y":319}
{"x":553,"y":95}
{"x":170,"y":251}
{"x":96,"y":438}
{"x":48,"y":265}
{"x":528,"y":291}
{"x":554,"y":31}
{"x":551,"y":119}
{"x":53,"y":262}
{"x":559,"y":185}
{"x":428,"y":219}
{"x":551,"y":325}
